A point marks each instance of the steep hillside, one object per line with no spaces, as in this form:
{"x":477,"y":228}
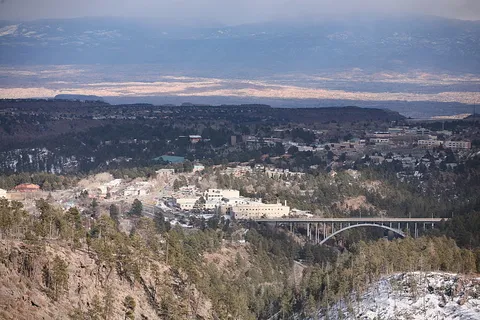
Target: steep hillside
{"x":52,"y":281}
{"x":414,"y":296}
{"x":65,"y":265}
{"x":80,"y":285}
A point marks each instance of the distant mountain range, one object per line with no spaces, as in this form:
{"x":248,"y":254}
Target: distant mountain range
{"x":79,"y":97}
{"x":391,"y":43}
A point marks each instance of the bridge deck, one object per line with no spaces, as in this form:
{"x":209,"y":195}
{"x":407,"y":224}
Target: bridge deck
{"x":354,"y":220}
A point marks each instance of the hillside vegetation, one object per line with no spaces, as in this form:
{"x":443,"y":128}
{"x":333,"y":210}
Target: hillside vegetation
{"x":60,"y":264}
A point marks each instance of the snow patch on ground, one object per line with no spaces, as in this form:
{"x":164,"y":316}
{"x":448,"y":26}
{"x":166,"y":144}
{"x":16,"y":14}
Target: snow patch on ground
{"x":413,"y":296}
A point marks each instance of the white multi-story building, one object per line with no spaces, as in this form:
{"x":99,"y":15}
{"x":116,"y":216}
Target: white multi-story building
{"x":276,"y":172}
{"x":3,"y":193}
{"x":198,"y":167}
{"x":430,"y":143}
{"x":219,"y":194}
{"x":305,"y":148}
{"x":458,"y":144}
{"x":380,"y":140}
{"x":133,"y":191}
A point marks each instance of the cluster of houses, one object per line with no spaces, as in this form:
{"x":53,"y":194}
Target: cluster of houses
{"x":429,"y":139}
{"x":117,"y":188}
{"x":269,"y":170}
{"x":413,"y":163}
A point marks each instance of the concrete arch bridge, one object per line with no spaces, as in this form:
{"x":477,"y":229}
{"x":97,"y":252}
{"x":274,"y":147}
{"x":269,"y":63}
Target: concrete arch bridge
{"x":320,"y":230}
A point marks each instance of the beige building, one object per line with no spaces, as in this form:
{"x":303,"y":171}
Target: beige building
{"x":186,"y":203}
{"x":255,"y":210}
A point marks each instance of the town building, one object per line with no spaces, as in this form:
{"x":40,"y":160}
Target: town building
{"x":3,"y":193}
{"x":422,"y":131}
{"x":27,"y":187}
{"x":219,"y":194}
{"x":429,"y":143}
{"x":305,"y":148}
{"x":255,"y":210}
{"x":139,"y":189}
{"x":380,"y":140}
{"x":396,"y":131}
{"x":458,"y":144}
{"x":198,"y":167}
{"x":189,"y":190}
{"x":237,"y":171}
{"x":165,"y":173}
{"x":277,"y":172}
{"x":186,"y":203}
{"x":195,"y":138}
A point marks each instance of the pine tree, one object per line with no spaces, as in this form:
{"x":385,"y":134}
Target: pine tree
{"x":137,"y":208}
{"x":115,"y":213}
{"x":59,"y":276}
{"x":129,"y":304}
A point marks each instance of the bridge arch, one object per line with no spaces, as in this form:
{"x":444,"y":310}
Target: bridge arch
{"x":399,"y":232}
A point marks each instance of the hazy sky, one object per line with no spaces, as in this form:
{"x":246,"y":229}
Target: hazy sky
{"x":231,"y":11}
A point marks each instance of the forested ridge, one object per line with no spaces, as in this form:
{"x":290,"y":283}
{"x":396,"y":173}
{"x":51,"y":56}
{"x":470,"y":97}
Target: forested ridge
{"x":180,"y":274}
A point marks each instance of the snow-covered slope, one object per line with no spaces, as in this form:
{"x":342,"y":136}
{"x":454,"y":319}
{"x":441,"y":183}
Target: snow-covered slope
{"x":415,"y":296}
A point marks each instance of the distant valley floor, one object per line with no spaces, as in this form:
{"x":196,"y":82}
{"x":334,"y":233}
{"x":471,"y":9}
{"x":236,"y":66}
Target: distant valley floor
{"x":415,"y":94}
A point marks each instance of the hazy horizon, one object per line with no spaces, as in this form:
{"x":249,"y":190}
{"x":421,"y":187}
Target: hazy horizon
{"x":234,"y":12}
